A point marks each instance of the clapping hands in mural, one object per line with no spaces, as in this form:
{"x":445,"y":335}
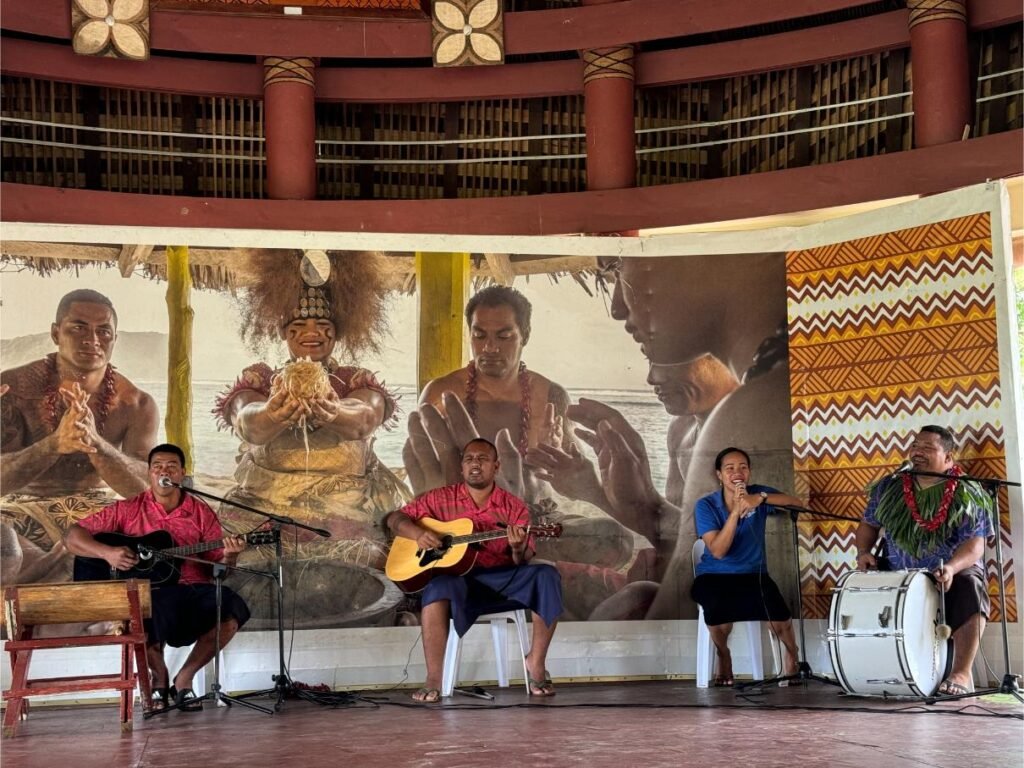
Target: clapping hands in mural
{"x":623,"y":465}
{"x":76,"y":432}
{"x":569,"y":472}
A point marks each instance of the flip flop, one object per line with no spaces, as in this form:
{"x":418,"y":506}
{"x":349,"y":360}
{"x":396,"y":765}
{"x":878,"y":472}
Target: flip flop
{"x":541,"y":687}
{"x":187,"y":701}
{"x":427,"y":696}
{"x":949,"y":688}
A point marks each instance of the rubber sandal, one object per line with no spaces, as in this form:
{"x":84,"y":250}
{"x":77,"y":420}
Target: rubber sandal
{"x":161,"y":699}
{"x":187,"y":701}
{"x":543,"y":687}
{"x":949,"y":688}
{"x":427,"y":696}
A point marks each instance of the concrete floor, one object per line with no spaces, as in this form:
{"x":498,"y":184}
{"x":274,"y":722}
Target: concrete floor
{"x":661,"y":723}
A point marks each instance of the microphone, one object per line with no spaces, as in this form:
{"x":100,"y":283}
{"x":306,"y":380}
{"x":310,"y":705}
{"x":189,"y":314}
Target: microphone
{"x":185,"y":484}
{"x":903,"y":468}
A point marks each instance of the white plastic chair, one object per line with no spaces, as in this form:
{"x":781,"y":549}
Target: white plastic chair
{"x":706,"y":647}
{"x":499,"y":635}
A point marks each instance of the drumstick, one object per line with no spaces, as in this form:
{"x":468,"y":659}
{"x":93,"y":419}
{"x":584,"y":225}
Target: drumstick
{"x":943,"y":630}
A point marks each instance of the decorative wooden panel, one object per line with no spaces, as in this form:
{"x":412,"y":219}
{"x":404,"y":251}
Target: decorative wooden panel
{"x":709,"y":138}
{"x":1000,"y":63}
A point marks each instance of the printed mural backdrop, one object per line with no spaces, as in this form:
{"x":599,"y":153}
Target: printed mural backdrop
{"x":680,"y":357}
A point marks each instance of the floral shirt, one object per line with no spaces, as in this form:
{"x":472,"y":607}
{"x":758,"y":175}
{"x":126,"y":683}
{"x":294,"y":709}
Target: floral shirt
{"x":191,"y":522}
{"x":453,"y":502}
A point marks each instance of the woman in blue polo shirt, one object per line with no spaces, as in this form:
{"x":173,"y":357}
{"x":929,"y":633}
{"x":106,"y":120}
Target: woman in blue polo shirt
{"x":732,"y":581}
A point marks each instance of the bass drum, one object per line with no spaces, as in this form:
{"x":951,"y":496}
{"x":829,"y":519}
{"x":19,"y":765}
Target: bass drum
{"x":883,"y":634}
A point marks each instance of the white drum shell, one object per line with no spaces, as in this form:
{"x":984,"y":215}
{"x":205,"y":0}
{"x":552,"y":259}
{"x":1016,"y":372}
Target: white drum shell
{"x":882,"y":634}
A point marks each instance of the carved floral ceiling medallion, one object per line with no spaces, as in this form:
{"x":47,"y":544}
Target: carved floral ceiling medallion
{"x":114,"y":28}
{"x":468,"y":32}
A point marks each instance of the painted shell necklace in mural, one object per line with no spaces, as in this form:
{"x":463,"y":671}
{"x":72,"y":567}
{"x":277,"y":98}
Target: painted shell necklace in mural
{"x":771,"y":352}
{"x":53,"y":407}
{"x":524,"y":402}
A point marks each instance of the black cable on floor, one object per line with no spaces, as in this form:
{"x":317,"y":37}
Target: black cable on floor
{"x":914,"y":709}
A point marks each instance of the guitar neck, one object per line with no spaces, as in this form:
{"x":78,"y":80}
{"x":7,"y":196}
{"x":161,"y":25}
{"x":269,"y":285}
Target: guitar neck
{"x":193,"y":549}
{"x":473,"y":538}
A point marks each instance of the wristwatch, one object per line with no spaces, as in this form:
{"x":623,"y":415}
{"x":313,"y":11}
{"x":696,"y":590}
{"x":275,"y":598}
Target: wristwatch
{"x":764,"y":496}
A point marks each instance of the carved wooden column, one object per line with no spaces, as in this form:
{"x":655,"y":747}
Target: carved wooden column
{"x":938,"y":55}
{"x":608,"y":84}
{"x":290,"y":128}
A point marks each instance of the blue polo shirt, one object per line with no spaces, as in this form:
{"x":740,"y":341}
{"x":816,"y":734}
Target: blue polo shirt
{"x":746,"y":555}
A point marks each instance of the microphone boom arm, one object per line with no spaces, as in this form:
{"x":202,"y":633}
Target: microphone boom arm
{"x":166,"y":482}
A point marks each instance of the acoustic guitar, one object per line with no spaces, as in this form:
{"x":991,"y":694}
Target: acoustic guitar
{"x":156,"y":553}
{"x":411,"y":567}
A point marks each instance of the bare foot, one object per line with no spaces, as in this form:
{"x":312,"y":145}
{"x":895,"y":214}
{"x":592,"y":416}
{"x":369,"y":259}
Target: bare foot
{"x":724,"y":676}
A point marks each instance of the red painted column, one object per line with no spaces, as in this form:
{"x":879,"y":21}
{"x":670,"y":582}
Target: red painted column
{"x":289,"y":123}
{"x":608,"y":107}
{"x":938,"y":55}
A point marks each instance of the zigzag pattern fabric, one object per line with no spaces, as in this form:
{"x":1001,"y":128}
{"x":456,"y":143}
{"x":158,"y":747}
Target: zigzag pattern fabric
{"x":886,"y":334}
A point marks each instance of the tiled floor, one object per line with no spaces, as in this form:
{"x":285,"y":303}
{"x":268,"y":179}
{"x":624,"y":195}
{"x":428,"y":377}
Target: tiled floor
{"x":593,"y":725}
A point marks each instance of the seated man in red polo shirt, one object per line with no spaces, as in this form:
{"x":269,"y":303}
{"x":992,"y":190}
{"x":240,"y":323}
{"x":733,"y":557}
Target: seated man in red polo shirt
{"x":501,"y":571}
{"x":186,"y":612}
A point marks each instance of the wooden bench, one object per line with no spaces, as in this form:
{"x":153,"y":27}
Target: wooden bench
{"x":32,"y":605}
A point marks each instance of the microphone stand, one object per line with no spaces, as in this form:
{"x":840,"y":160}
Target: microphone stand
{"x":215,"y":693}
{"x":1009,"y":683}
{"x":804,"y":671}
{"x":283,"y":686}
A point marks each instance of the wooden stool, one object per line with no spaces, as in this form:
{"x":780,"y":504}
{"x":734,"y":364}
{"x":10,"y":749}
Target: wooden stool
{"x":31,"y":605}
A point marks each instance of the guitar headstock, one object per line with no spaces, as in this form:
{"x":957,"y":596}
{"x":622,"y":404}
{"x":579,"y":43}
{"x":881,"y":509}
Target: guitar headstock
{"x":259,"y":538}
{"x":546,"y":531}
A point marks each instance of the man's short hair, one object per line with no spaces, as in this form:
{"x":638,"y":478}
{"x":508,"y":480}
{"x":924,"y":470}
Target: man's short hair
{"x":499,"y":296}
{"x":86,"y":296}
{"x":945,"y":436}
{"x":485,"y":441}
{"x":166,"y":448}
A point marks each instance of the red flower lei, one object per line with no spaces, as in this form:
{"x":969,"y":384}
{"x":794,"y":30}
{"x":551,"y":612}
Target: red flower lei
{"x":524,"y":402}
{"x":947,"y":499}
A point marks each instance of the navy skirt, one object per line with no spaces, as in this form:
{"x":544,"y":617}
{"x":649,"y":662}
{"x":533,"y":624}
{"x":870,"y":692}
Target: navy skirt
{"x":491,"y":590}
{"x":730,"y":597}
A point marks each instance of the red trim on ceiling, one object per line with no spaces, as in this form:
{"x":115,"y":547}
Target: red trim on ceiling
{"x":919,"y":171}
{"x":595,"y":26}
{"x":422,"y":84}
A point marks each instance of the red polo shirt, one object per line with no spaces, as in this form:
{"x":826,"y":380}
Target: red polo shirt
{"x":191,"y":522}
{"x":453,"y":502}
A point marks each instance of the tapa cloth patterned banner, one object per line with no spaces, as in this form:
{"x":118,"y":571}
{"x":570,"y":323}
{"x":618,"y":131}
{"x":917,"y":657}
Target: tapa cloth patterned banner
{"x":888,"y":333}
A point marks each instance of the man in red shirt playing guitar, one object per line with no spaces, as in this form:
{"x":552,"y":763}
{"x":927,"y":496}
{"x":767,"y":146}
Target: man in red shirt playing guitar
{"x":184,"y":612}
{"x":501,"y":572}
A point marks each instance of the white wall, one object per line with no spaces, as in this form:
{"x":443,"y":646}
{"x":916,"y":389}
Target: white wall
{"x":582,"y":651}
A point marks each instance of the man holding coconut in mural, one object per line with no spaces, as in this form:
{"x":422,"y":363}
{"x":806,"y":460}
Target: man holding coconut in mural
{"x":74,"y":429}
